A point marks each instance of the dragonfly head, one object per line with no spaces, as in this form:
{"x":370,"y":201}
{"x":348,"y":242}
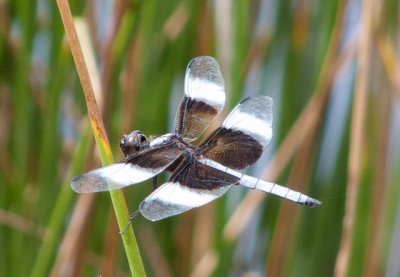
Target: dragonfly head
{"x":132,"y":143}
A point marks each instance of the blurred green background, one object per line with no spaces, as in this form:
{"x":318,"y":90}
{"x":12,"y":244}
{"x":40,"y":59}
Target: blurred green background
{"x":332,"y":68}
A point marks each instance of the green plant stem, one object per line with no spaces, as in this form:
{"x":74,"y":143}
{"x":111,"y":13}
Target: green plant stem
{"x":117,"y":197}
{"x":61,"y":208}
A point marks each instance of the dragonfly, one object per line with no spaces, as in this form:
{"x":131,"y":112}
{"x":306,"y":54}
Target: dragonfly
{"x":202,"y":172}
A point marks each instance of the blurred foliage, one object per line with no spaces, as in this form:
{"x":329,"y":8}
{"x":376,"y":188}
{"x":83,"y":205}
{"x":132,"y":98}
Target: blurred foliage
{"x":332,"y":69}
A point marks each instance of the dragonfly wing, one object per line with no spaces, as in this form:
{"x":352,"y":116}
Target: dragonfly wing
{"x":203,"y":100}
{"x":245,"y":133}
{"x":191,"y":185}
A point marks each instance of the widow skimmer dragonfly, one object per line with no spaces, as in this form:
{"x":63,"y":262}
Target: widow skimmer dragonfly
{"x":200,"y":173}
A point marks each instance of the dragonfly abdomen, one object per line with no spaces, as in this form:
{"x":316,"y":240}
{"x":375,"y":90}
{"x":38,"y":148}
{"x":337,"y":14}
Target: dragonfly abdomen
{"x":268,"y":187}
{"x":280,"y":191}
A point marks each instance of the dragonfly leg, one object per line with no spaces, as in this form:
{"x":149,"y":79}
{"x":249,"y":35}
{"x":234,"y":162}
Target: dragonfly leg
{"x":154,"y":183}
{"x":131,"y":217}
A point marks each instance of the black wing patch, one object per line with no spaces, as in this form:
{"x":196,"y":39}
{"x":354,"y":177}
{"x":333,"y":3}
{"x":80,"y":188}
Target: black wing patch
{"x":195,"y":175}
{"x":230,"y":148}
{"x":156,"y":157}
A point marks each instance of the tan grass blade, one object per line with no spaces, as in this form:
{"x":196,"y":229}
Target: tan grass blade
{"x":306,"y":122}
{"x":356,"y":135}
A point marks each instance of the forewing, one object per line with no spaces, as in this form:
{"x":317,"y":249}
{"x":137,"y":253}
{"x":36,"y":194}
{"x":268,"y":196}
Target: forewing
{"x":203,"y":100}
{"x":114,"y":176}
{"x":244,"y":134}
{"x":136,"y":169}
{"x":191,"y":185}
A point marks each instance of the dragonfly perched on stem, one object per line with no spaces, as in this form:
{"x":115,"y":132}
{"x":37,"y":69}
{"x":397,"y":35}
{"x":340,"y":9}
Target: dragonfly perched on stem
{"x":200,"y":173}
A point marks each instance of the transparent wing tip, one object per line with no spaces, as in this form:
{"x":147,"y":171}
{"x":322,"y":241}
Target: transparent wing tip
{"x":87,"y":183}
{"x":77,"y":184}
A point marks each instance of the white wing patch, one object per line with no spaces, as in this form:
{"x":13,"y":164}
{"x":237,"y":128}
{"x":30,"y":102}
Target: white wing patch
{"x":204,"y":82}
{"x":253,"y":116}
{"x":112,"y":177}
{"x":206,"y":91}
{"x":172,"y":199}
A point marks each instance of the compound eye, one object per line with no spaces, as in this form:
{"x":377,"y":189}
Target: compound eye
{"x":143,"y":138}
{"x":122,"y":141}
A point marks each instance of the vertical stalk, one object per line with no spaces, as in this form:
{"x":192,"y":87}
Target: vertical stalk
{"x":117,"y":197}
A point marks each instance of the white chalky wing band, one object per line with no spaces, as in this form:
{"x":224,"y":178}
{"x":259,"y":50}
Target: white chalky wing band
{"x":112,"y":177}
{"x":203,"y":100}
{"x":173,"y":198}
{"x":253,"y":116}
